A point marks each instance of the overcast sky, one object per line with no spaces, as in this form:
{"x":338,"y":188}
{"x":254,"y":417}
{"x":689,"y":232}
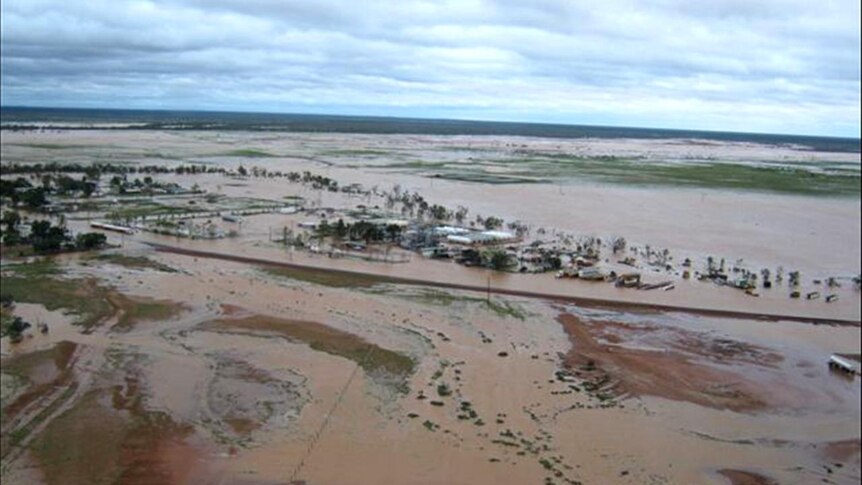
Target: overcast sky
{"x":741,"y":65}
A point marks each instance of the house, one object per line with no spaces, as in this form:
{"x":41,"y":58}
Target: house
{"x":592,"y":274}
{"x":628,"y":280}
{"x":484,"y":238}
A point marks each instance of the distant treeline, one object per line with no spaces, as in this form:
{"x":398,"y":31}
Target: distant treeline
{"x":95,"y":170}
{"x":102,"y":168}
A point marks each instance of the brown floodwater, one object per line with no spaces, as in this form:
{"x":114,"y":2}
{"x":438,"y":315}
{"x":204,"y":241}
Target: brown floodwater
{"x":700,"y":399}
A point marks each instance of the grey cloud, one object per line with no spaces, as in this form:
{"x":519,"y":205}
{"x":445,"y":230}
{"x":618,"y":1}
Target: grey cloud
{"x":788,"y":65}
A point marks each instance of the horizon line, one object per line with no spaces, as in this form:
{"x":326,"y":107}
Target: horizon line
{"x":421,"y":118}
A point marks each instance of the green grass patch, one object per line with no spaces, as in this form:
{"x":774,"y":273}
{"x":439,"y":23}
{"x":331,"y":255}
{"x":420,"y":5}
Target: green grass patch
{"x":426,"y":296}
{"x":41,"y":282}
{"x":489,"y":178}
{"x":53,"y":146}
{"x":385,"y":366}
{"x":356,"y":153}
{"x":505,"y":309}
{"x":248,"y":153}
{"x":804,"y":177}
{"x":146,"y":311}
{"x":132,"y":262}
{"x":326,"y":278}
{"x":148,"y":210}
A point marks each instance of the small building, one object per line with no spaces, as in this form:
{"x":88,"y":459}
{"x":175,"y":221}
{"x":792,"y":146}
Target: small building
{"x":111,"y":227}
{"x":591,"y":274}
{"x":628,"y":280}
{"x":484,"y":238}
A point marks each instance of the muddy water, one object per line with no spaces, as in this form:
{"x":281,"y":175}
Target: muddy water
{"x":60,"y":328}
{"x":348,"y":430}
{"x":688,"y":293}
{"x":369,"y":438}
{"x":345,"y":428}
{"x":808,"y":233}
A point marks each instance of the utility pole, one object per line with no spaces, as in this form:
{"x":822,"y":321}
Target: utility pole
{"x":488,"y":298}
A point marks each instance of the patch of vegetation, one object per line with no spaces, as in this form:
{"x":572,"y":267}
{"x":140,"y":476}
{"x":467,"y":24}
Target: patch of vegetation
{"x":40,"y":282}
{"x":506,"y":309}
{"x":825,"y":178}
{"x":385,"y":366}
{"x":133,"y":262}
{"x":248,"y":153}
{"x":139,"y":210}
{"x":488,"y":178}
{"x":443,"y":390}
{"x":501,"y":307}
{"x":430,"y":425}
{"x":145,"y":311}
{"x":356,"y":152}
{"x":333,"y":279}
{"x":52,"y":146}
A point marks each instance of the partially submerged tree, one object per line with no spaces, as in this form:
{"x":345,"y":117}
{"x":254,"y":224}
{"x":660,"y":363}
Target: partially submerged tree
{"x":90,"y":240}
{"x":618,"y":243}
{"x":498,"y":259}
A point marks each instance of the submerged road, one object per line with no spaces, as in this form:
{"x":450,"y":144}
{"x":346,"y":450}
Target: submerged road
{"x":577,"y":300}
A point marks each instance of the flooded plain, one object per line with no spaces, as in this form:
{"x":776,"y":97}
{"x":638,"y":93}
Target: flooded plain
{"x":196,"y":369}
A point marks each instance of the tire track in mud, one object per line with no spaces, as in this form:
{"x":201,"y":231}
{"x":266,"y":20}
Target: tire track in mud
{"x":323,"y":424}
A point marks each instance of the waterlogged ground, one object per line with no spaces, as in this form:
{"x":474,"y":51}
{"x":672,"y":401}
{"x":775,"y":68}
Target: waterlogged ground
{"x":769,"y":205}
{"x":483,"y":159}
{"x":192,"y":370}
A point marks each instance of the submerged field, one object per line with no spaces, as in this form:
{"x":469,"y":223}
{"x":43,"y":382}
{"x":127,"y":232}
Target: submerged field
{"x":504,"y":160}
{"x":263,"y":378}
{"x":300,"y":367}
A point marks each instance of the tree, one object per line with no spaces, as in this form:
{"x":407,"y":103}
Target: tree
{"x":618,"y":243}
{"x":45,"y":237}
{"x":493,"y":223}
{"x":242,"y":171}
{"x":15,"y":328}
{"x":93,"y":172}
{"x":11,"y":219}
{"x":90,"y":240}
{"x":88,"y":188}
{"x":340,"y":230}
{"x":499,"y":259}
{"x":460,"y":214}
{"x":34,"y":198}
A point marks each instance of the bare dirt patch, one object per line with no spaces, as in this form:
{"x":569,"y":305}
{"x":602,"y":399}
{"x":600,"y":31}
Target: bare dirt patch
{"x":134,"y":445}
{"x":741,"y":477}
{"x":671,"y":374}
